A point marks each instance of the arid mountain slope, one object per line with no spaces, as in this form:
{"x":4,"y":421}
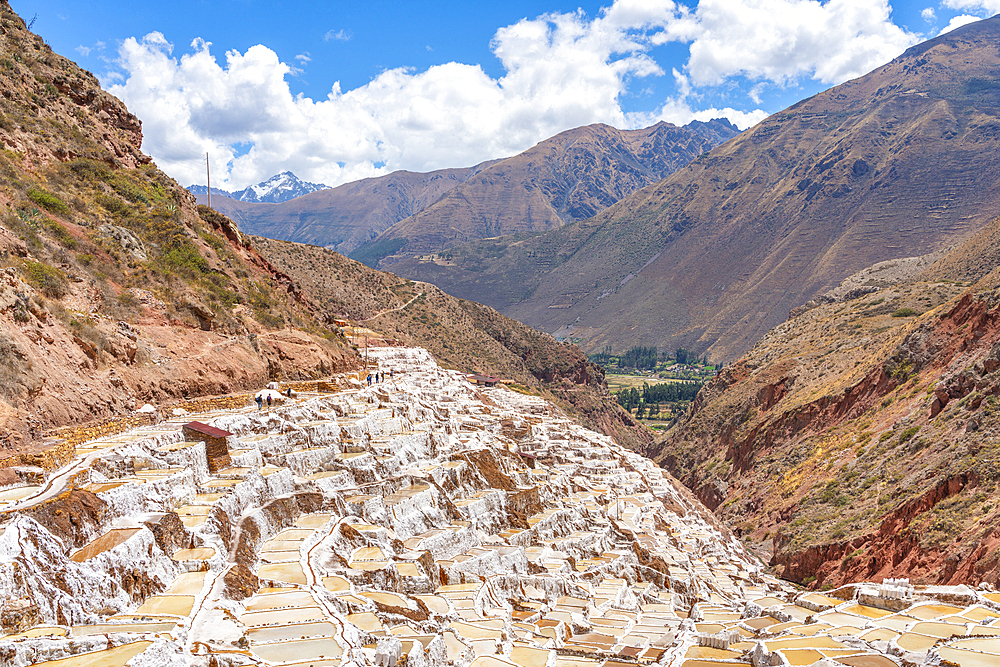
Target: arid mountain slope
{"x":345,"y":217}
{"x":460,"y":334}
{"x":860,"y":437}
{"x":899,"y":162}
{"x":115,"y":288}
{"x":568,"y":177}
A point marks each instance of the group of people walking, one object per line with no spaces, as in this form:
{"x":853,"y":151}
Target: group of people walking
{"x":376,"y":375}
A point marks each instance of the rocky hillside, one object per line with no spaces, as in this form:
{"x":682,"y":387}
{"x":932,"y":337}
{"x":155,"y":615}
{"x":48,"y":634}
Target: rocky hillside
{"x":115,"y":287}
{"x":859,"y":439}
{"x":571,"y":176}
{"x":897,"y":163}
{"x":460,"y":334}
{"x":345,"y":217}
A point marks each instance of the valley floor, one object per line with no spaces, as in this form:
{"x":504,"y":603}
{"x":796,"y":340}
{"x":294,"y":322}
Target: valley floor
{"x":426,"y":520}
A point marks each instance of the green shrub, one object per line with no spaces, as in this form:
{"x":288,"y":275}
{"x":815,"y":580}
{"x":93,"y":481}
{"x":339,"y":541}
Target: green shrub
{"x":908,"y":433}
{"x":904,"y":312}
{"x":112,"y":204}
{"x":48,"y":201}
{"x":47,"y":279}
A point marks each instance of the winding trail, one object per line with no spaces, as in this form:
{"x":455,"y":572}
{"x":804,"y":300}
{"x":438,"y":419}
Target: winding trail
{"x":392,"y":310}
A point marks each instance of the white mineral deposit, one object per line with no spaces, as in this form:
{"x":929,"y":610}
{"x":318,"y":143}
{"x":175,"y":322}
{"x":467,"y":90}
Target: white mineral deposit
{"x":423,"y":522}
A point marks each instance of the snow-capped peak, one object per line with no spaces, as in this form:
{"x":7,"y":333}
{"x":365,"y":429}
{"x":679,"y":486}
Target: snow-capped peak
{"x":279,"y":188}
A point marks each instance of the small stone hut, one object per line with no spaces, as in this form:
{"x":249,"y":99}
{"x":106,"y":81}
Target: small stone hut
{"x":216,"y":444}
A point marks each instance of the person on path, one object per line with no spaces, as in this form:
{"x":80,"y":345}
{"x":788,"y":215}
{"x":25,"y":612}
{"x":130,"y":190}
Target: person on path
{"x":392,"y":374}
{"x":268,"y":400}
{"x":289,"y":392}
{"x":260,"y":402}
{"x":369,"y":379}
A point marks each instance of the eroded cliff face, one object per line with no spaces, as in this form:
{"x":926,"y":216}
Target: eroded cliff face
{"x":858,"y":440}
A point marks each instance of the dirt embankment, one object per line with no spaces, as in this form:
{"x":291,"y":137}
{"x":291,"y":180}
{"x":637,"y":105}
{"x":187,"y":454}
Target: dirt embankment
{"x":852,"y":444}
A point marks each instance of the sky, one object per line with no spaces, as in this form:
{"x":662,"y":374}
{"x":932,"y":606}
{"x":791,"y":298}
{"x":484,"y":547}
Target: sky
{"x":338,"y":90}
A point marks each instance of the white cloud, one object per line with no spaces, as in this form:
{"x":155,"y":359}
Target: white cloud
{"x":560,"y":71}
{"x":83,"y":50}
{"x":928,"y":14}
{"x":338,"y":35}
{"x":959,"y":21}
{"x":303,"y":58}
{"x":782,"y":40}
{"x":983,"y":8}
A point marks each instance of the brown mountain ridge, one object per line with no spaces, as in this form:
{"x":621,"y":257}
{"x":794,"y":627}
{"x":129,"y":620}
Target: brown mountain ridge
{"x":571,"y":176}
{"x":899,"y":162}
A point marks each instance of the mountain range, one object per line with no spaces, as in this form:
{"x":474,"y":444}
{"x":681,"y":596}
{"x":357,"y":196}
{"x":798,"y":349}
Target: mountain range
{"x":571,"y":176}
{"x":275,"y":190}
{"x":567,"y":177}
{"x":897,"y":163}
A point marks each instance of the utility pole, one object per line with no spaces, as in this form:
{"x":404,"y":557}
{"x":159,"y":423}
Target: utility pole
{"x":208,"y":175}
{"x":366,"y":354}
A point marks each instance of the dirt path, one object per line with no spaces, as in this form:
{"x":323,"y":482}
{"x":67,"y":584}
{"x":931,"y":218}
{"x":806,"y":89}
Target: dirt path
{"x":392,"y":310}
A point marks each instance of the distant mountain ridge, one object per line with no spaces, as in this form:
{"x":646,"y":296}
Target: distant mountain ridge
{"x":900,"y":162}
{"x":347,"y":216}
{"x":275,"y":190}
{"x":571,"y":176}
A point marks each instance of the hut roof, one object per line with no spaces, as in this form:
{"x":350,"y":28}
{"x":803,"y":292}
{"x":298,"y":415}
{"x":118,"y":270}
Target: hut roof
{"x":205,"y":429}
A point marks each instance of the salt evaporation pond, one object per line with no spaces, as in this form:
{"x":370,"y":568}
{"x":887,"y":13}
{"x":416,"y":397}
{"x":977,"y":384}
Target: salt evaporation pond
{"x":440,"y":522}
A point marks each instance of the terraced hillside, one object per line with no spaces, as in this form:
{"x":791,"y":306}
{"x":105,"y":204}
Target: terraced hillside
{"x":423,"y":520}
{"x":900,"y":162}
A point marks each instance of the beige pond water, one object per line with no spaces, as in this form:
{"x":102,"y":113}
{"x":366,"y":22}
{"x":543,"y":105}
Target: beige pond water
{"x":978,"y":614}
{"x":912,"y":641}
{"x":968,"y":658}
{"x":802,"y":656}
{"x":367,"y":621}
{"x":866,"y":611}
{"x":115,"y":657}
{"x":175,"y":605}
{"x":292,"y":598}
{"x":938,"y":629}
{"x":408,"y":570}
{"x":194,"y":510}
{"x":709,"y":652}
{"x":222,"y":483}
{"x":528,"y":656}
{"x":208,"y":497}
{"x":281,"y":545}
{"x":385,"y":598}
{"x":292,"y":615}
{"x":336,"y":584}
{"x":880,"y":634}
{"x":802,"y":642}
{"x":313,"y":520}
{"x":929,"y":611}
{"x":867,"y":661}
{"x":189,"y":583}
{"x":105,"y":542}
{"x":436,"y":604}
{"x":298,"y":534}
{"x":193,"y":521}
{"x":108,"y":628}
{"x":302,"y":650}
{"x":39,"y":631}
{"x":986,"y":645}
{"x":288,"y":572}
{"x":200,"y":553}
{"x":280,"y":557}
{"x":275,"y":633}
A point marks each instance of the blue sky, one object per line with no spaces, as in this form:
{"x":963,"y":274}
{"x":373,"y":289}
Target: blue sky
{"x":336,"y":91}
